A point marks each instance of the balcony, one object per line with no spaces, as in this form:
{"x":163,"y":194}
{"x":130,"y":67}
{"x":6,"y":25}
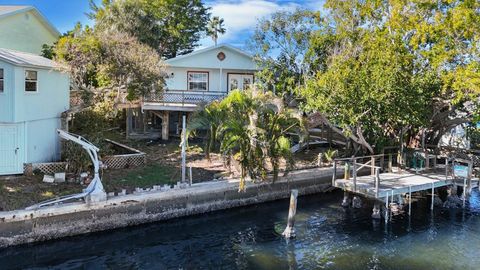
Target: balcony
{"x":175,"y":100}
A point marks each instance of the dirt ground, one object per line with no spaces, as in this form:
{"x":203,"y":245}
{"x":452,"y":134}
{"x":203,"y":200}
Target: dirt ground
{"x":163,"y":167}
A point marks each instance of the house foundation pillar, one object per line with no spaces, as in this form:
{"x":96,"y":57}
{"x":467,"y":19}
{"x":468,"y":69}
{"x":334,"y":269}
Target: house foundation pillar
{"x":165,"y":124}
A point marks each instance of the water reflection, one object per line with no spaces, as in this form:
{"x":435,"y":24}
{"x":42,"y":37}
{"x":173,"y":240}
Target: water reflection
{"x":328,"y":236}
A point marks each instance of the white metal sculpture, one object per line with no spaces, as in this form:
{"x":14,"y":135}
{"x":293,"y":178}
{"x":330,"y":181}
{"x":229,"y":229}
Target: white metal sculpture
{"x":94,"y":191}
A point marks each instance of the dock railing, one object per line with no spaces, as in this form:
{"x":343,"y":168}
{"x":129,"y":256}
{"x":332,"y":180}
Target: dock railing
{"x":354,"y":165}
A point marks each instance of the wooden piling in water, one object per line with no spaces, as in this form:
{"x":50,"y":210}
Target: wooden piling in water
{"x":292,"y":210}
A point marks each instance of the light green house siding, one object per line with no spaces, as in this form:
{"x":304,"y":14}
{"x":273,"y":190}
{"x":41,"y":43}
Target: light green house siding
{"x":207,"y":61}
{"x":29,"y":120}
{"x":25,"y":32}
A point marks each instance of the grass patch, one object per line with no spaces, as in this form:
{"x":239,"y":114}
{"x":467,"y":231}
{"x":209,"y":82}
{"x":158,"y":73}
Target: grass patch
{"x":154,"y":174}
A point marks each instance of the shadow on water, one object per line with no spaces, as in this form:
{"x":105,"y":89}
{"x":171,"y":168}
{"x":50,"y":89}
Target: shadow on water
{"x":328,"y":236}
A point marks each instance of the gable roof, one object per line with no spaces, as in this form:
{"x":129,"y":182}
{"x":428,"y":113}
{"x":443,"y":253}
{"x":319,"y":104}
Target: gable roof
{"x":210,"y":49}
{"x":26,"y":59}
{"x":6,"y":11}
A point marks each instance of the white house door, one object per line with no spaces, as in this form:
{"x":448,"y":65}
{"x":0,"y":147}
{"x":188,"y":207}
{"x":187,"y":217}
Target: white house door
{"x":10,"y":142}
{"x":239,"y":81}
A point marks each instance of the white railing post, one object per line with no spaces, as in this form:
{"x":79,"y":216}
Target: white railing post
{"x":377,"y":182}
{"x":446,"y":168}
{"x":354,"y":166}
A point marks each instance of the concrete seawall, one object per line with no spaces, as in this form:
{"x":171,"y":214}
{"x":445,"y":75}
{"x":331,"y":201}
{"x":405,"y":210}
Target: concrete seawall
{"x":26,"y":226}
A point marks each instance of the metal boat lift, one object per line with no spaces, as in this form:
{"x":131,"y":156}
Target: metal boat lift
{"x":94,"y":191}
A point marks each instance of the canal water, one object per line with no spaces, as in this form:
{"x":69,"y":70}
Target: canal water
{"x":328,"y":237}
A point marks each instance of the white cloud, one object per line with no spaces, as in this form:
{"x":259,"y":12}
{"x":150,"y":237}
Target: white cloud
{"x":240,"y":16}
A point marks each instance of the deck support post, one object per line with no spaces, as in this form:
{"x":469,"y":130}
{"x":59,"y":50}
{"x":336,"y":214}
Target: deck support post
{"x":346,"y":199}
{"x":390,"y":163}
{"x":464,"y":195}
{"x":386,"y":208}
{"x":289,"y":231}
{"x":377,"y":182}
{"x":184,"y":147}
{"x":334,"y":173}
{"x":409,"y":200}
{"x":357,"y":202}
{"x":433,"y":195}
{"x":376,"y":211}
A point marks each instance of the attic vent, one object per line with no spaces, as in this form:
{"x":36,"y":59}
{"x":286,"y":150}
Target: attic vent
{"x":221,"y":56}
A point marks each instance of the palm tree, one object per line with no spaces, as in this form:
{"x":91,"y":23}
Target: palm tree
{"x":251,"y":127}
{"x":215,"y":27}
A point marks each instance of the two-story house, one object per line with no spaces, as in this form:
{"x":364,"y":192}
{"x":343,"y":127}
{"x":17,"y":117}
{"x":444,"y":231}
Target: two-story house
{"x":33,"y":92}
{"x":193,"y":79}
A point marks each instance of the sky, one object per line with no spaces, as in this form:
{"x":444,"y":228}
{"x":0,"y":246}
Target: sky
{"x":240,"y":16}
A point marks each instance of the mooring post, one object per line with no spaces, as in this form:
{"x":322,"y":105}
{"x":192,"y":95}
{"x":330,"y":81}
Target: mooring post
{"x":292,"y":210}
{"x":410,"y":200}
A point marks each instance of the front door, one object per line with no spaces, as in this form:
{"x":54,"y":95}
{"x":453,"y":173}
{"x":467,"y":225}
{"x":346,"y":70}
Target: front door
{"x":239,"y":81}
{"x":10,"y":162}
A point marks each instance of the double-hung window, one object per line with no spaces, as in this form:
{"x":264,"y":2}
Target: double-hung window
{"x":197,"y":81}
{"x":31,"y":83}
{"x":1,"y":80}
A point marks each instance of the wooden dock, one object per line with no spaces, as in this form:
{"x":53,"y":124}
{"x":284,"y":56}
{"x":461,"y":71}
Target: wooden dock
{"x":393,"y":183}
{"x":389,"y":175}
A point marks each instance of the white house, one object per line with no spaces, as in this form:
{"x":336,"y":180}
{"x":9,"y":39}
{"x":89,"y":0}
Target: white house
{"x":33,"y":93}
{"x":24,"y":28}
{"x":195,"y":78}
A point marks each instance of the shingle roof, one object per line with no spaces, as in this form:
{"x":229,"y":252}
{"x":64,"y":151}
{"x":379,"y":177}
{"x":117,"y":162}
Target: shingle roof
{"x":26,"y":59}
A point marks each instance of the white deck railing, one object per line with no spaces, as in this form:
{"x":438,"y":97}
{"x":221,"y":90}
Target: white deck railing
{"x":184,"y":97}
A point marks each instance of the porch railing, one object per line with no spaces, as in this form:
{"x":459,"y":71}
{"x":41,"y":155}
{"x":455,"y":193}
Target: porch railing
{"x":184,"y":97}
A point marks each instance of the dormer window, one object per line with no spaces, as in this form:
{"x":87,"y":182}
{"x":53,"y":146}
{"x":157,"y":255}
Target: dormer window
{"x":30,"y":81}
{"x":1,"y":80}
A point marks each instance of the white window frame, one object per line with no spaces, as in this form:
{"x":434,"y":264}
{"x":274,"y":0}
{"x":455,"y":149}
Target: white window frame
{"x":29,"y":80}
{"x":2,"y":79}
{"x":207,"y":77}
